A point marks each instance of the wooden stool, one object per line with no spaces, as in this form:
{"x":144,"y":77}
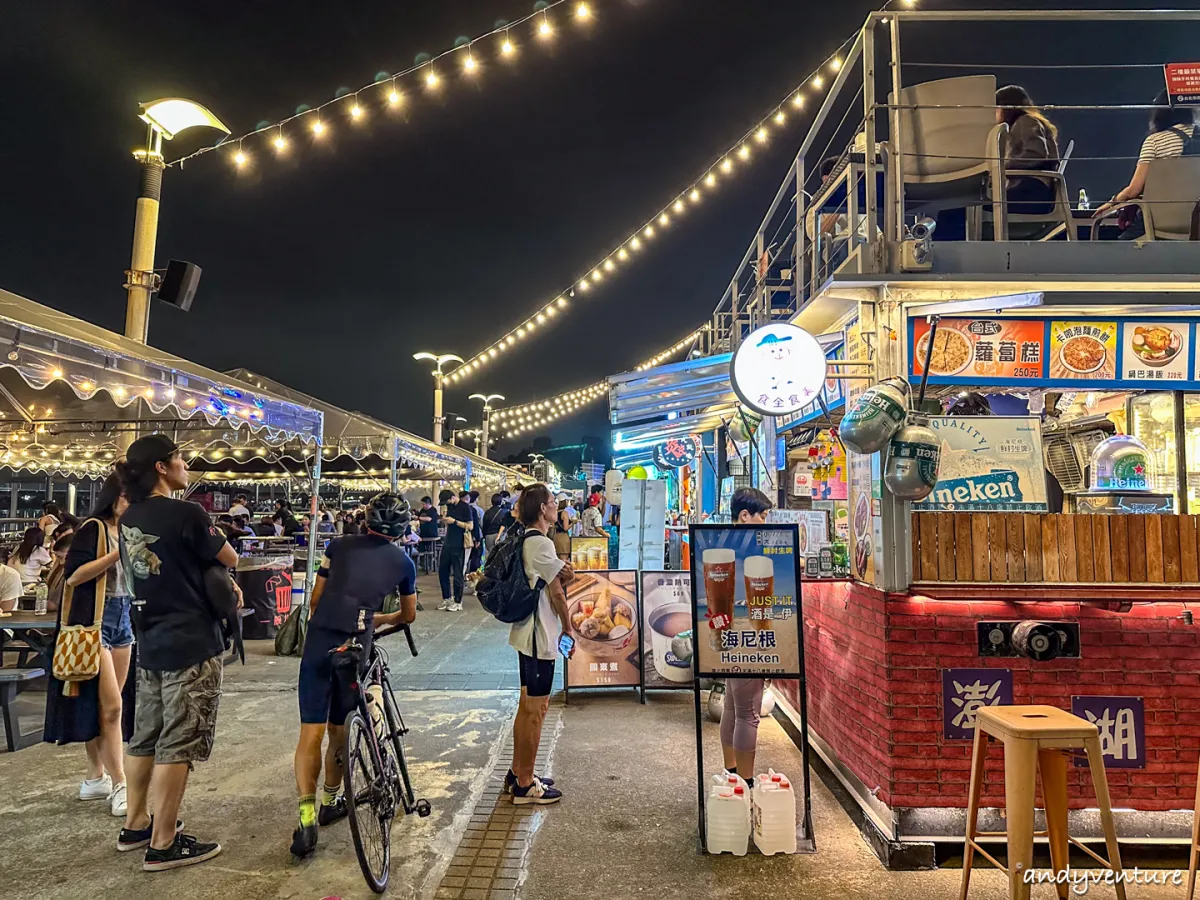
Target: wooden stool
{"x":1194,"y":856}
{"x":1035,"y":737}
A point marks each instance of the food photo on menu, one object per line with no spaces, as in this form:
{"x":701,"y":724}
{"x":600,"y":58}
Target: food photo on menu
{"x":746,"y":588}
{"x":602,"y":607}
{"x":667,"y":646}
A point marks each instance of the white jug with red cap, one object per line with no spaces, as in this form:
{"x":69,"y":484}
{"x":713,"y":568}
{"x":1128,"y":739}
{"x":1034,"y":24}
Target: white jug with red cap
{"x":774,"y":814}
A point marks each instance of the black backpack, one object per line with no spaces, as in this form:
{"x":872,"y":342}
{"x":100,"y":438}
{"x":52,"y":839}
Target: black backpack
{"x":504,"y":590}
{"x":1191,"y":142}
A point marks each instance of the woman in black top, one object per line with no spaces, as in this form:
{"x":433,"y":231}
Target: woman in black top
{"x":94,"y":716}
{"x":1032,"y":145}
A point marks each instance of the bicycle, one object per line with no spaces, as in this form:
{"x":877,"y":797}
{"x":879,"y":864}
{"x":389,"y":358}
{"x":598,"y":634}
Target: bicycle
{"x":376,"y":770}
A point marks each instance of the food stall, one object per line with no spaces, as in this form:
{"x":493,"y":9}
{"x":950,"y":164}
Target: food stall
{"x":77,"y":394}
{"x":1054,"y":561}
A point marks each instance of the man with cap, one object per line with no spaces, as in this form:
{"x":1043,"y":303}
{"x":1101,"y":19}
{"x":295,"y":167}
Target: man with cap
{"x":167,"y":547}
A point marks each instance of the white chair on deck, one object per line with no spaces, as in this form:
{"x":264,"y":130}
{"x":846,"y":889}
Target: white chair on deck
{"x":1168,"y":201}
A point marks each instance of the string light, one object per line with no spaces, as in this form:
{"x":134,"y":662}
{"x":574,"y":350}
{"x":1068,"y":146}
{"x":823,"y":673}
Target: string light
{"x":519,"y":419}
{"x":280,"y":142}
{"x":471,"y":65}
{"x":356,"y":111}
{"x":318,"y":127}
{"x":711,"y":179}
{"x":394,"y":96}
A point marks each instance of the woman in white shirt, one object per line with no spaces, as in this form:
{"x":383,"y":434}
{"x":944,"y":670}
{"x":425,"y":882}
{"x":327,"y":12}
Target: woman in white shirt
{"x":536,"y":641}
{"x":1171,"y":127}
{"x":31,"y":556}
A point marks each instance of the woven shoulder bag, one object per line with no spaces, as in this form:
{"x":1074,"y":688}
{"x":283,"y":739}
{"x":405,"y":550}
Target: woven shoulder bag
{"x":77,"y":647}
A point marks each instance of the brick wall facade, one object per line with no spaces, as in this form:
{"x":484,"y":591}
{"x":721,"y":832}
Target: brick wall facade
{"x":874,"y":665}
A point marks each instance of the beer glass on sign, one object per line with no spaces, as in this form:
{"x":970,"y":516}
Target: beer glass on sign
{"x":759,"y":573}
{"x":720,"y":585}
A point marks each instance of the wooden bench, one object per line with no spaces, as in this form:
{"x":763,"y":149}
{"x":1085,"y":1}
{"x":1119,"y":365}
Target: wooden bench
{"x":11,"y":682}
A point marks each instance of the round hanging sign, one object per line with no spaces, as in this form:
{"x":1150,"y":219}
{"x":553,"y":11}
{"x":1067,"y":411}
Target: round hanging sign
{"x":677,"y":452}
{"x":778,"y":370}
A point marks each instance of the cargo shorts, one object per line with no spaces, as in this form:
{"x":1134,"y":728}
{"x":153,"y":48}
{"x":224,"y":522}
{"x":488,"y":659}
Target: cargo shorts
{"x":175,"y":714}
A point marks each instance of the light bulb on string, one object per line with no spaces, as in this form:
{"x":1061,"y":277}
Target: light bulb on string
{"x":636,"y":243}
{"x":318,"y":127}
{"x":710,"y":180}
{"x":649,"y":231}
{"x":780,"y":117}
{"x":761,"y":135}
{"x":727,"y":165}
{"x":280,"y":141}
{"x":744,"y":152}
{"x":695,"y":195}
{"x":507,"y":48}
{"x":679,"y":207}
{"x":836,"y":64}
{"x":664,"y":220}
{"x":582,"y":11}
{"x":394,"y":96}
{"x":240,"y":157}
{"x":818,"y":81}
{"x":609,"y":265}
{"x":622,"y":254}
{"x":798,"y":100}
{"x":431,"y":78}
{"x":544,"y":29}
{"x":356,"y":111}
{"x":469,"y":64}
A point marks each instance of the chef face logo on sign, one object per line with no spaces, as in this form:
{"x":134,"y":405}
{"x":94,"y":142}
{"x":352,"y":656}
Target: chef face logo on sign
{"x":778,"y":369}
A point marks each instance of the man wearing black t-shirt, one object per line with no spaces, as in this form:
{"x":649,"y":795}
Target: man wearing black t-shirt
{"x":166,"y":547}
{"x":452,"y":565}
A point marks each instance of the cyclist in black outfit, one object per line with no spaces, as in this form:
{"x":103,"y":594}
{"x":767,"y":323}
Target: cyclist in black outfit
{"x":356,"y":574}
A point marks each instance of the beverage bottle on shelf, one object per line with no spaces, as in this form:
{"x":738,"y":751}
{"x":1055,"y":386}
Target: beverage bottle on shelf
{"x":1084,"y":202}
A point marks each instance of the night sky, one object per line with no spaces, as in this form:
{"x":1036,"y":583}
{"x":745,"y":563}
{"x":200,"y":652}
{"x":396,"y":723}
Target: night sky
{"x":441,"y":227}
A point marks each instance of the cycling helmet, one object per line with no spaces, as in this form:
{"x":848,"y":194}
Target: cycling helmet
{"x":388,"y":514}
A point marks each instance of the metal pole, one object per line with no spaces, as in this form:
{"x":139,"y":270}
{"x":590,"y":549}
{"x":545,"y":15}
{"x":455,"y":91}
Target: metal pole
{"x":483,"y":441}
{"x":895,"y":138}
{"x":395,"y":475}
{"x":868,"y":37}
{"x":140,"y":276}
{"x":437,"y":405}
{"x":310,"y":565}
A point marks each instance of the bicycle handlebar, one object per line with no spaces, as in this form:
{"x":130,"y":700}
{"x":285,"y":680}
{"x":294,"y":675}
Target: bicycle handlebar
{"x":386,"y":632}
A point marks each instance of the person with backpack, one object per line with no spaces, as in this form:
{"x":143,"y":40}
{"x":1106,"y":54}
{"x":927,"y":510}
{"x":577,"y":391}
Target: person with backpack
{"x":1172,"y":134}
{"x":524,"y":583}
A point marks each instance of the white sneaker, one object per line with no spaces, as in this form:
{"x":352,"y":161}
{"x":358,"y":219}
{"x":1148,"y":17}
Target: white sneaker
{"x":95,"y":788}
{"x":454,"y":607}
{"x":445,"y":605}
{"x":117,"y":800}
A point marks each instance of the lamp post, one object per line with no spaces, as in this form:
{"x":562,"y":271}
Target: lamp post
{"x":487,"y":413}
{"x":475,"y":433}
{"x":438,"y":378}
{"x":164,"y":119}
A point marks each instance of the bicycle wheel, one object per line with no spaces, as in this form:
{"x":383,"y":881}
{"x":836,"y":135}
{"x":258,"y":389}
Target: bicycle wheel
{"x":395,"y":728}
{"x":368,"y":804}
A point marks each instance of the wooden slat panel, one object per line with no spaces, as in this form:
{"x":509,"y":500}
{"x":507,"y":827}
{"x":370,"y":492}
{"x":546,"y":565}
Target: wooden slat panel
{"x":1189,"y":561}
{"x":914,"y":529}
{"x":1118,"y":537}
{"x":1170,"y":544}
{"x":1084,"y":564}
{"x":980,"y":547}
{"x":945,"y":532}
{"x":1067,"y":570}
{"x":1049,"y":527}
{"x":963,"y":547}
{"x":1014,"y":527}
{"x":1033,"y":546}
{"x":1135,"y":526}
{"x":929,"y":565}
{"x":1154,"y":549}
{"x":1101,"y":548}
{"x":997,"y":541}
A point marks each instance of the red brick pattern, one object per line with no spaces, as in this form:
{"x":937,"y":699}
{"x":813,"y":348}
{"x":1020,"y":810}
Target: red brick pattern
{"x":874,"y":666}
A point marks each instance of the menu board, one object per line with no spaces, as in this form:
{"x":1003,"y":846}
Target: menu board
{"x":1078,"y":353}
{"x":667,"y":646}
{"x":604,"y":623}
{"x":813,"y":526}
{"x":1155,"y":351}
{"x":1083,"y":350}
{"x":746,"y":600}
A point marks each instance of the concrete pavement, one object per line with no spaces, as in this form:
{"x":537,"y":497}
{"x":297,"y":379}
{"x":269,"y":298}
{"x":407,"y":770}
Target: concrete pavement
{"x":626,"y":829}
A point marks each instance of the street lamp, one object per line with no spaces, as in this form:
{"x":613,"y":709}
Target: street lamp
{"x":475,"y":433}
{"x":487,"y":413}
{"x":164,"y":119}
{"x":438,"y":375}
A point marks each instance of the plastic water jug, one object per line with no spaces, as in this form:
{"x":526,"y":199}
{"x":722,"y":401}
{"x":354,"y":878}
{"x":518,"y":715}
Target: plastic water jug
{"x":728,"y":824}
{"x":774,"y":814}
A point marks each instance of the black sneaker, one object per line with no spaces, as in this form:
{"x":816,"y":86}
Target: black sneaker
{"x":304,"y":840}
{"x":334,"y":812}
{"x":510,"y":781}
{"x":186,"y":851}
{"x":129,"y":839}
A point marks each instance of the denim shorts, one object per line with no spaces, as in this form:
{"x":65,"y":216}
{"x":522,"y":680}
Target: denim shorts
{"x":115,"y":630}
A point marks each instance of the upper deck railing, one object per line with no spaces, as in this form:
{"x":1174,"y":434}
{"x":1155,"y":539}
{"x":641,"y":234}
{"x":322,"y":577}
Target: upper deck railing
{"x":933,"y":207}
